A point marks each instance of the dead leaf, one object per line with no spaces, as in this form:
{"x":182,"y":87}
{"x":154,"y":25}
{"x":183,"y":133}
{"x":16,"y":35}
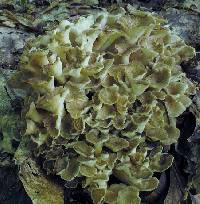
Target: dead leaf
{"x":175,"y":192}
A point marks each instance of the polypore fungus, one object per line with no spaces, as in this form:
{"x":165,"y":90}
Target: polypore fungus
{"x":104,"y":92}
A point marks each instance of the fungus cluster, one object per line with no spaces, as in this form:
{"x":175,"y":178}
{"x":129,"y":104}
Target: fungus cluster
{"x":104,"y":92}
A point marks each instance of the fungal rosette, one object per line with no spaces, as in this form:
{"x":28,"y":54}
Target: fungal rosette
{"x":104,"y":93}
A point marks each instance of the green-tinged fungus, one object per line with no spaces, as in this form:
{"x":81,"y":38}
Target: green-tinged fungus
{"x":100,"y":89}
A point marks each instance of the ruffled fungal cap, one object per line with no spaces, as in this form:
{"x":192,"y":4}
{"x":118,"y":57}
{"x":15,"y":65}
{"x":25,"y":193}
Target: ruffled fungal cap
{"x":102,"y":89}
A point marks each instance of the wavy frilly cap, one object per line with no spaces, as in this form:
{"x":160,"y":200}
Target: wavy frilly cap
{"x":104,"y":93}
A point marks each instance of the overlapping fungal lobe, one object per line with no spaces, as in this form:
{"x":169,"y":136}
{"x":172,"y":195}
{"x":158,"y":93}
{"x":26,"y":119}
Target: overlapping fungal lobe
{"x":104,"y":88}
